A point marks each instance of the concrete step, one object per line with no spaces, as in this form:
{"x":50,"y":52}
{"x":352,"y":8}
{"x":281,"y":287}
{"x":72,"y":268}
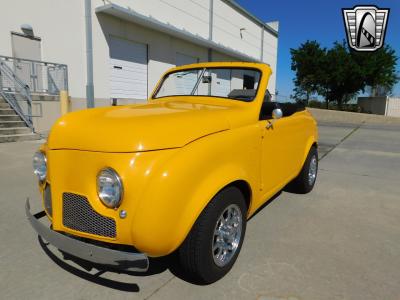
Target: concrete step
{"x":8,"y":124}
{"x":19,"y":137}
{"x":4,"y":105}
{"x":9,"y":118}
{"x":14,"y":130}
{"x":39,"y":97}
{"x":7,"y":111}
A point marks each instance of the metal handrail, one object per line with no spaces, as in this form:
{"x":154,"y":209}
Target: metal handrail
{"x":21,"y":89}
{"x":51,"y":79}
{"x":42,"y":77}
{"x":31,"y":60}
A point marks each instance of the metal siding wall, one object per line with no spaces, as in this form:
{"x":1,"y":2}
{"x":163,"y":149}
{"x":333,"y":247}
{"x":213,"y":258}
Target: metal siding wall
{"x":184,"y":59}
{"x":191,"y":15}
{"x":270,"y":56}
{"x":227,"y":25}
{"x":64,"y":41}
{"x":162,"y":51}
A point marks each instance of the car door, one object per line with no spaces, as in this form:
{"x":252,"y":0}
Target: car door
{"x":282,"y":151}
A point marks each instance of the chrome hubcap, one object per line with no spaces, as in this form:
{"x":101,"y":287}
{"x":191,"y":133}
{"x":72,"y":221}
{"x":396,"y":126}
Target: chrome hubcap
{"x":227,"y":235}
{"x":312,"y":171}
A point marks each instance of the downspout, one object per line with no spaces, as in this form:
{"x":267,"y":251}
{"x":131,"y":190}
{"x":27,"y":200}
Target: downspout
{"x":210,"y":28}
{"x":210,"y":37}
{"x":262,"y":44}
{"x":89,"y":55}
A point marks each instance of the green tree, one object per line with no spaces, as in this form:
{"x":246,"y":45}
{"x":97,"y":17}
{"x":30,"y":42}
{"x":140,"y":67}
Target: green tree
{"x":378,"y":68}
{"x":342,"y":78}
{"x":307,"y":62}
{"x":340,"y":73}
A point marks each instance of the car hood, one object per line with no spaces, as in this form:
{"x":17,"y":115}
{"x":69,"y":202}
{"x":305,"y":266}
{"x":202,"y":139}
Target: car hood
{"x":133,"y":128}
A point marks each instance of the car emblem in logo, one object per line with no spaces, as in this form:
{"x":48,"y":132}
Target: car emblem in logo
{"x":366,"y":27}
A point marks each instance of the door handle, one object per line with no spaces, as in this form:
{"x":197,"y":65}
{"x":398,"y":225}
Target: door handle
{"x":118,"y":67}
{"x":270,"y":124}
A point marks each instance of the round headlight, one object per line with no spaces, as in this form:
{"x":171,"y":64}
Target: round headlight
{"x":109,"y":188}
{"x":40,"y":166}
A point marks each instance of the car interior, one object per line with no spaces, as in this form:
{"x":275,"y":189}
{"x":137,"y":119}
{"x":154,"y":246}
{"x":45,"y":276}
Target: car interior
{"x":287,"y":108}
{"x":246,"y":95}
{"x":268,"y":105}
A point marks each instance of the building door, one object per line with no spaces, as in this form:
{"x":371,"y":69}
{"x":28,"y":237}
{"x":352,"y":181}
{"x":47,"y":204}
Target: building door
{"x":128,"y":63}
{"x":27,"y":47}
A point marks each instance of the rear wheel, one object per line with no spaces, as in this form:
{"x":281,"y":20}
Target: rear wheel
{"x":305,"y":181}
{"x":213,"y":244}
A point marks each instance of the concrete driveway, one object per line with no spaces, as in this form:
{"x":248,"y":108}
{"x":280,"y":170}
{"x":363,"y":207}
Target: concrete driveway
{"x":342,"y":241}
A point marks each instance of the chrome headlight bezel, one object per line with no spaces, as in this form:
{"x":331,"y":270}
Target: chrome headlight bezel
{"x":110,"y":189}
{"x":39,"y":163}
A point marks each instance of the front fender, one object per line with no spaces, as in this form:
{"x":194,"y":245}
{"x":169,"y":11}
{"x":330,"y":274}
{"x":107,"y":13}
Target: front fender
{"x":179,"y":190}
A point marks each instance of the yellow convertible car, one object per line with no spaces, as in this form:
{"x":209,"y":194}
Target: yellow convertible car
{"x":180,"y":174}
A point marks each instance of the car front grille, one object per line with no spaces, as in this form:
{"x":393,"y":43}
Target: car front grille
{"x":79,"y":215}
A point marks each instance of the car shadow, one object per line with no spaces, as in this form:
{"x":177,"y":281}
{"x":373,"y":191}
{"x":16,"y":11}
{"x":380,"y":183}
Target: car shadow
{"x":156,"y":266}
{"x":268,"y":202}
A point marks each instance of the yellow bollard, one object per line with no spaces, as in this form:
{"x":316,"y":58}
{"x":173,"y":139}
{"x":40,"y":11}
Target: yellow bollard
{"x":64,"y":102}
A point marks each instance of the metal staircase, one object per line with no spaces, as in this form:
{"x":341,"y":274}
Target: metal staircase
{"x":20,"y":80}
{"x":15,"y":108}
{"x":12,"y":127}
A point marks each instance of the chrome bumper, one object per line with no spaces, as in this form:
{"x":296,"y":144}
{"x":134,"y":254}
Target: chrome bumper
{"x":119,"y":259}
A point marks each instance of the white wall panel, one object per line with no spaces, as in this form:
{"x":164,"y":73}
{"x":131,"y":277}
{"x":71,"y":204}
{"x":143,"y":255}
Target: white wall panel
{"x":184,"y":59}
{"x":192,"y":16}
{"x":60,"y":25}
{"x":162,"y":50}
{"x":270,"y":56}
{"x":226,"y":30}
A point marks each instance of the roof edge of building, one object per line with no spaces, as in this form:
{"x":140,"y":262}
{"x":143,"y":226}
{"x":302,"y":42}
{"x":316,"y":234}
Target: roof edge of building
{"x":152,"y":23}
{"x":244,"y":11}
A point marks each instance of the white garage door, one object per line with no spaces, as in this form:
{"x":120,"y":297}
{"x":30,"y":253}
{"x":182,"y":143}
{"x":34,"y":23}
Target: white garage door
{"x":128,"y":63}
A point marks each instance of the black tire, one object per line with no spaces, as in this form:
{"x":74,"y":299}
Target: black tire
{"x":301,"y":184}
{"x":196,"y":255}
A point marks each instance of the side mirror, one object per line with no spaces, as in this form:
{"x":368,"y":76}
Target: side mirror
{"x":277,"y":113}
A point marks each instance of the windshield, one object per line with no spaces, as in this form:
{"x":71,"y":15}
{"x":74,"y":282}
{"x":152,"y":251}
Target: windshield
{"x":233,"y":83}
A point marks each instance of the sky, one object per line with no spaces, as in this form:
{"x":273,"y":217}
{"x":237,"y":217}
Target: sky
{"x":322,"y":21}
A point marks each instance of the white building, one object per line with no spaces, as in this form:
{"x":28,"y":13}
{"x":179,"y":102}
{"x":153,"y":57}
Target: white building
{"x":131,"y":42}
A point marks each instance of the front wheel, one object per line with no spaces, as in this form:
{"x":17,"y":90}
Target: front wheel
{"x":214,"y":242}
{"x":305,"y":181}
